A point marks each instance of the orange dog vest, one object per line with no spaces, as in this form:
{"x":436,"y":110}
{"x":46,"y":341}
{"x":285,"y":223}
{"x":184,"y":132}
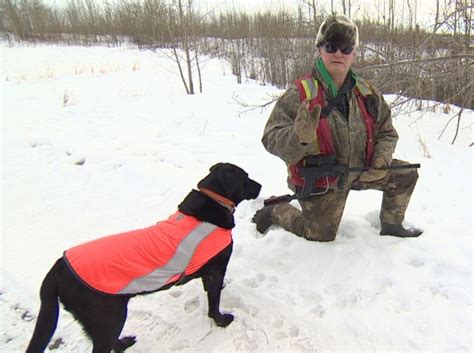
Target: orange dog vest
{"x":147,"y":259}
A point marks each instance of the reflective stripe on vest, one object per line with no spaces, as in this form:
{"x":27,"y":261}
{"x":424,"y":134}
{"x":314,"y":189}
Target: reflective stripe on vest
{"x":147,"y":259}
{"x":177,"y":265}
{"x":308,"y":89}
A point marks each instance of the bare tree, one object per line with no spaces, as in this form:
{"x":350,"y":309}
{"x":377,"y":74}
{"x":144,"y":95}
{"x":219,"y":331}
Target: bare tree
{"x":346,"y":7}
{"x":312,"y":9}
{"x":271,"y":47}
{"x":181,"y":28}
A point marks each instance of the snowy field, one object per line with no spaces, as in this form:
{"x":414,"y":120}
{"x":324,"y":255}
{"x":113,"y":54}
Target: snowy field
{"x":100,"y":140}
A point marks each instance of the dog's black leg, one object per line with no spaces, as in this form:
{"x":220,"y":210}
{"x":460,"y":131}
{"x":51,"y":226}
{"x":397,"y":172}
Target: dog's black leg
{"x":213,"y":281}
{"x":123,"y":343}
{"x":108,"y":340}
{"x":102,"y":316}
{"x":105,"y":336}
{"x":48,"y":315}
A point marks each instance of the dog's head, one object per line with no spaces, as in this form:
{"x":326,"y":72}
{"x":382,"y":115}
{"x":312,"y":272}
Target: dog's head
{"x":231,"y":182}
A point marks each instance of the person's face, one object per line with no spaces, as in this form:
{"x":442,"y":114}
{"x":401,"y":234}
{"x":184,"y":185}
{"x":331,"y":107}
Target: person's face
{"x":337,"y":63}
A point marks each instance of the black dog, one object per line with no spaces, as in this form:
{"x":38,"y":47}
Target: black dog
{"x":84,"y":279}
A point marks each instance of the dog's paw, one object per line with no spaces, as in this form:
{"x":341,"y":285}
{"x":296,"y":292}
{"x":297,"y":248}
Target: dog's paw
{"x":124,"y":343}
{"x":223,"y":320}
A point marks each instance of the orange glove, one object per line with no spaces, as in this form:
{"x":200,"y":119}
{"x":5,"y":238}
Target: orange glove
{"x":375,"y":173}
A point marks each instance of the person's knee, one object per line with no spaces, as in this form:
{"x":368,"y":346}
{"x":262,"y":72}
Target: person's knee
{"x":404,"y":179}
{"x":410,"y":176}
{"x":415,"y":175}
{"x":323,"y":234}
{"x":325,"y":237}
{"x":409,"y":179}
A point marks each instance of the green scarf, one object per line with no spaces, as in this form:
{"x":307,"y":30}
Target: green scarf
{"x":326,"y":76}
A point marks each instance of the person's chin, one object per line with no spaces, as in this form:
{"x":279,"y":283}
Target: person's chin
{"x":338,"y":67}
{"x":338,"y":64}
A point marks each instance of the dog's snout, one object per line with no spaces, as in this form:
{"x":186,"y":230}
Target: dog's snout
{"x":254,"y":189}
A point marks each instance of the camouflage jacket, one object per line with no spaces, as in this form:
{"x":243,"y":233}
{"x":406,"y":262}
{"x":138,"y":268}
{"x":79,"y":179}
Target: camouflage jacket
{"x":349,"y":135}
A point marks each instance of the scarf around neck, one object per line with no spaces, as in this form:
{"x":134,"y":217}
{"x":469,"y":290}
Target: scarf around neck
{"x":326,"y":76}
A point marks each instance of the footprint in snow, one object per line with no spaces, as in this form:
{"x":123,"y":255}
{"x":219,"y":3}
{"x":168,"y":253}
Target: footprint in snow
{"x":180,"y":345}
{"x":175,"y":293}
{"x":258,"y":280}
{"x":318,"y":311}
{"x":192,"y":305}
{"x":80,"y":162}
{"x":415,"y":262}
{"x":373,"y":219}
{"x":293,"y":331}
{"x":251,"y":282}
{"x":278,"y":324}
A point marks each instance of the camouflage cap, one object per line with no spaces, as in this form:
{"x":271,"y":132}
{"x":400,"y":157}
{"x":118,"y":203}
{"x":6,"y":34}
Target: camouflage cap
{"x":338,"y":29}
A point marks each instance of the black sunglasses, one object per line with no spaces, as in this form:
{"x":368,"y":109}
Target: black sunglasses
{"x":332,"y":48}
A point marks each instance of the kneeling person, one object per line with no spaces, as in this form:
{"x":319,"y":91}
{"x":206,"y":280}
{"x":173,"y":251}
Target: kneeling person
{"x":334,"y":112}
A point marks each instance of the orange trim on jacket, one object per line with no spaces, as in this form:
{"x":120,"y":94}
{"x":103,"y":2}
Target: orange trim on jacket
{"x":144,"y":260}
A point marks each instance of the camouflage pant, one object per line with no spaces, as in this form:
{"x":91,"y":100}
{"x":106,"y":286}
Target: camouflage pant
{"x":320,"y":216}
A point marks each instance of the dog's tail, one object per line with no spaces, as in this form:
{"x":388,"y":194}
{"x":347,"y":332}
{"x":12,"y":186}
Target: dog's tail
{"x":48,"y":315}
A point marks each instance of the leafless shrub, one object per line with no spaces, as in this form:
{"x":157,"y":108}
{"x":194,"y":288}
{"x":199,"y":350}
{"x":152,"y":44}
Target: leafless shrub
{"x":271,"y":47}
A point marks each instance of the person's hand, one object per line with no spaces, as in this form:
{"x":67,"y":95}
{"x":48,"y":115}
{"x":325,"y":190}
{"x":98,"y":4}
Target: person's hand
{"x":306,"y":123}
{"x":375,"y":173}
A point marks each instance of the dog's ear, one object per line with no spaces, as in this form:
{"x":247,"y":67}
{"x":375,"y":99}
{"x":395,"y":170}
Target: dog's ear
{"x":236,"y":183}
{"x":226,"y":179}
{"x":211,"y":181}
{"x":230,"y":181}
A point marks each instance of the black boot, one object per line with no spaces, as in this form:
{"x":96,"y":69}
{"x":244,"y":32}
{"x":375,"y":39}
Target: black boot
{"x":397,"y":230}
{"x":263,"y":218}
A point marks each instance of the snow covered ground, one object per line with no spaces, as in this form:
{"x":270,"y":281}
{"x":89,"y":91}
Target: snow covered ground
{"x":101,"y":140}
